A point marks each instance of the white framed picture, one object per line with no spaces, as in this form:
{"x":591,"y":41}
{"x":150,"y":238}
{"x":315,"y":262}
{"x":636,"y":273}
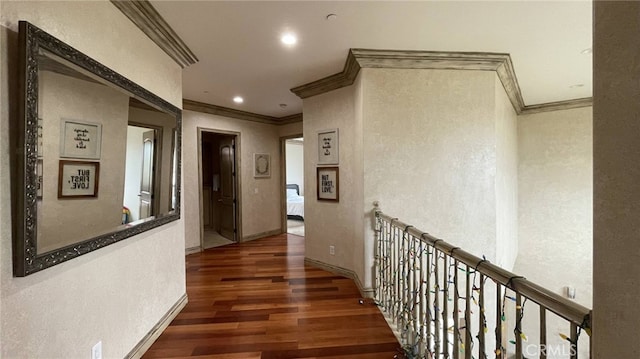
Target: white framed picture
{"x":328,"y":153}
{"x":261,"y":165}
{"x":80,"y":139}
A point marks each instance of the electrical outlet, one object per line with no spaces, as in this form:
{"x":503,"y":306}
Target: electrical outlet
{"x":96,"y":351}
{"x":332,"y":250}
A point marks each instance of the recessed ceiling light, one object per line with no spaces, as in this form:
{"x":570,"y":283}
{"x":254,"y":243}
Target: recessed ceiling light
{"x":238,"y":99}
{"x":332,"y":17}
{"x":586,"y":51}
{"x":289,"y":39}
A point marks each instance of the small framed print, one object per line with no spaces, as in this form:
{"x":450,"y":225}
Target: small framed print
{"x":328,"y":147}
{"x":328,"y":184}
{"x":80,"y":139}
{"x":78,"y":179}
{"x":261,"y":165}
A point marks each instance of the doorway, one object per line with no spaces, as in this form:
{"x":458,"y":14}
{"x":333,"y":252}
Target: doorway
{"x":293,"y":158}
{"x":218,"y":188}
{"x":140,"y":199}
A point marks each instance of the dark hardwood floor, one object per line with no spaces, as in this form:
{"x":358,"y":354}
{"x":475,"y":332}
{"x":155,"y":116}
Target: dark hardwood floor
{"x":258,"y":300}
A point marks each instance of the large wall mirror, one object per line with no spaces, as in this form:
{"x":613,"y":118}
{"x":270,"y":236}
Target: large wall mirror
{"x":98,"y":158}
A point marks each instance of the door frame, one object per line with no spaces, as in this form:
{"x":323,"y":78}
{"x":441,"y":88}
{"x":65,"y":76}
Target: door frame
{"x":283,"y":178}
{"x":238,"y":163}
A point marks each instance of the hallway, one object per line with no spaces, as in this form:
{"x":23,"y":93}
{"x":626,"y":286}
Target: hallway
{"x":258,"y":300}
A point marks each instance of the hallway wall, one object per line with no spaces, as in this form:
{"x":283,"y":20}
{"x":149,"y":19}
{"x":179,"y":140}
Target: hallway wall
{"x":555,"y":179}
{"x":426,"y":144}
{"x":115,"y":294}
{"x":430,"y":152}
{"x":329,"y":223}
{"x":261,"y":209}
{"x":555,"y":232}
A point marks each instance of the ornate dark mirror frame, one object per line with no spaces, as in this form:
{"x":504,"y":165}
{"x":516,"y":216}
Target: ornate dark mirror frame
{"x":26,"y":260}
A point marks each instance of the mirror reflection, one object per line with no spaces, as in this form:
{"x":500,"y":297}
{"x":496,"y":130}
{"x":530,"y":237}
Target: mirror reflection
{"x":105,"y":159}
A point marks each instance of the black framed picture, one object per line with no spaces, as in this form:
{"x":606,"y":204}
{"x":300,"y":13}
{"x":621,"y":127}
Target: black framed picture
{"x":328,"y":184}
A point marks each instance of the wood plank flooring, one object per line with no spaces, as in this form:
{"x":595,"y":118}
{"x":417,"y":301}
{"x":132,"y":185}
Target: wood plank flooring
{"x":257,"y":300}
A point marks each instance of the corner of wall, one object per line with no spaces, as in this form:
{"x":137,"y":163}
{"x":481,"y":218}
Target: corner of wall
{"x":506,"y":180}
{"x":330,"y":223}
{"x":363,"y":253}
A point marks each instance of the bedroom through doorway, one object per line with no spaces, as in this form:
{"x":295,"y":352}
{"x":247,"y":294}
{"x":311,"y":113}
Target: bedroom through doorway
{"x":294,"y":185}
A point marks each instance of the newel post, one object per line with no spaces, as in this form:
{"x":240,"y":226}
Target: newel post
{"x":377,"y":228}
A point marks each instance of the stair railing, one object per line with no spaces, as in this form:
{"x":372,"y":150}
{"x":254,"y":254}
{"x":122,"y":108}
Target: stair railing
{"x":437,"y":297}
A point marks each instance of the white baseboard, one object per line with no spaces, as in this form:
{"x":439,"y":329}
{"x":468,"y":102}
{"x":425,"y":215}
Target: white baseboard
{"x":192,"y":250}
{"x":364,"y":292}
{"x":146,"y":342}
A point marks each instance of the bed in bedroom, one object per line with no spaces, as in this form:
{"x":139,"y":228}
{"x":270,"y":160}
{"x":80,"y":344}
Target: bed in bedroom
{"x":295,"y":202}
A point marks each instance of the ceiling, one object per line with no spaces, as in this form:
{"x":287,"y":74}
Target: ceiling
{"x":240,"y":52}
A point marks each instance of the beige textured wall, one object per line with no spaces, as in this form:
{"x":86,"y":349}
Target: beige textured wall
{"x":616,"y":152}
{"x":430,"y":152}
{"x":329,"y":223}
{"x":427,"y":138}
{"x":115,"y":294}
{"x":555,"y":200}
{"x":66,"y":98}
{"x":290,"y":129}
{"x":260,"y":210}
{"x":506,"y":179}
{"x":555,"y":209}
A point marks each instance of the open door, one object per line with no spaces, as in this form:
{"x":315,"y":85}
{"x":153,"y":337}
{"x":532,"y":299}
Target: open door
{"x":146,"y":182}
{"x":227,"y":200}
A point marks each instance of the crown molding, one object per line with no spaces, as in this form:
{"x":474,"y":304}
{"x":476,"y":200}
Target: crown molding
{"x":557,"y":106}
{"x":289,"y":119}
{"x":191,"y":105}
{"x":147,"y":19}
{"x":333,"y":82}
{"x":478,"y":61}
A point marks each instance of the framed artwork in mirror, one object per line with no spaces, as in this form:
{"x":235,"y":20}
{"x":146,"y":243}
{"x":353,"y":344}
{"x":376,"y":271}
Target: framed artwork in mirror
{"x":78,"y":179}
{"x":328,"y":184}
{"x":80,"y":139}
